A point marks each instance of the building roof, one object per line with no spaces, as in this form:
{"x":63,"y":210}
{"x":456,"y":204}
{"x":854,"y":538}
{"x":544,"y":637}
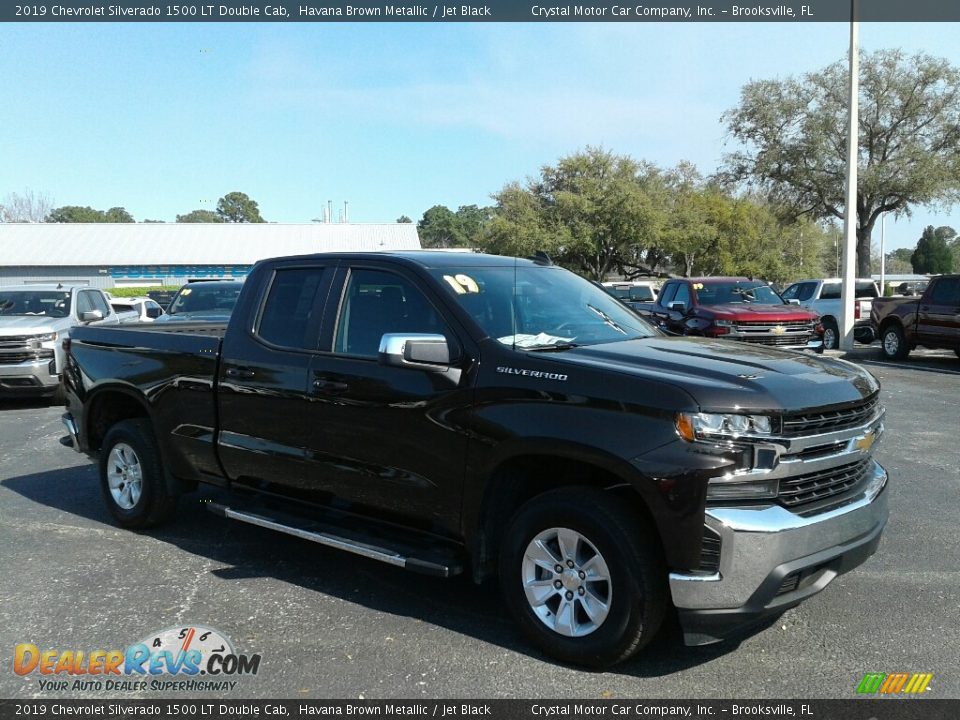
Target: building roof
{"x":104,"y":244}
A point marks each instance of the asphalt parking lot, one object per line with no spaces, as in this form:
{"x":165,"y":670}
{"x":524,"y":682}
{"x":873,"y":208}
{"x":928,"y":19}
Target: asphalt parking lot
{"x":331,"y":625}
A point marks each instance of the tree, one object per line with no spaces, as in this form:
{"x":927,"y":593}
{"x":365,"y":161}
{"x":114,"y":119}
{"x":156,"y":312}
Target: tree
{"x":595,"y":212}
{"x":794,"y":140}
{"x":403,"y":219}
{"x":26,"y":207}
{"x":933,"y":255}
{"x":86,"y":214}
{"x":237,"y":207}
{"x":200,"y":216}
{"x":441,"y":227}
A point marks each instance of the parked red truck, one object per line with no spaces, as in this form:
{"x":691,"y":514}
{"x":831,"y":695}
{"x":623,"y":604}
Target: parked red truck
{"x":931,"y":320}
{"x":732,"y":308}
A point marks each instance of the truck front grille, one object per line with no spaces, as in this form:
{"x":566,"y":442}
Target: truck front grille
{"x":14,"y":358}
{"x":766,"y":332}
{"x":15,"y":342}
{"x":778,"y":340}
{"x":816,"y":486}
{"x":825,"y":421}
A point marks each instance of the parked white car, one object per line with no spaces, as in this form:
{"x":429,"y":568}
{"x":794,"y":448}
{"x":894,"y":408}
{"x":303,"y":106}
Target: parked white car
{"x":823,"y":297}
{"x":136,"y":309}
{"x":34,"y":322}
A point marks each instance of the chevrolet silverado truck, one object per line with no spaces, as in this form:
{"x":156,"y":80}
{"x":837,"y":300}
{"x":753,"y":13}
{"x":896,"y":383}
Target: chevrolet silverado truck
{"x":34,"y":321}
{"x":467,"y":413}
{"x":733,"y":309}
{"x":931,"y":320}
{"x":823,"y":298}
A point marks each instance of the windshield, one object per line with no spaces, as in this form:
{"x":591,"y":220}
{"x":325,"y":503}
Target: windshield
{"x":213,"y":298}
{"x":46,"y":303}
{"x":551,"y":308}
{"x":737,"y":292}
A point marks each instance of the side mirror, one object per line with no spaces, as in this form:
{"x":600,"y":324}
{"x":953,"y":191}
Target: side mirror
{"x":154,"y":313}
{"x":793,"y":301}
{"x":91,"y":316}
{"x":679,"y":307}
{"x":416,"y":351}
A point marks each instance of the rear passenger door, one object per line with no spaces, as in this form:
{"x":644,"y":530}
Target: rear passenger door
{"x":264,"y":398}
{"x":389,"y":440}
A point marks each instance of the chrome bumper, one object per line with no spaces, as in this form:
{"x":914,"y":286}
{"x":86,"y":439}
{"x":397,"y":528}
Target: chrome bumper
{"x":761,"y":547}
{"x":37,"y":372}
{"x":73,"y":432}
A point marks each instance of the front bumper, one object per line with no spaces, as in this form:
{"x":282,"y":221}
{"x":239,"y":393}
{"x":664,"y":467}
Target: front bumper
{"x":29,"y":377}
{"x":772,"y":559}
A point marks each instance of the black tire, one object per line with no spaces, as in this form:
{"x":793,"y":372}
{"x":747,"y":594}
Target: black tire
{"x":830,"y":329}
{"x":636,"y":593}
{"x":152,"y":504}
{"x":893,"y":343}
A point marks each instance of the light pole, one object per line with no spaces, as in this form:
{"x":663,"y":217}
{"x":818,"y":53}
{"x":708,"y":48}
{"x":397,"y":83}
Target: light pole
{"x":850,"y":211}
{"x":883,"y":252}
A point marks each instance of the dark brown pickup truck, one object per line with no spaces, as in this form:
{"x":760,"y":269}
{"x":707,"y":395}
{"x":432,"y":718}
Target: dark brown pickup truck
{"x":932,"y":320}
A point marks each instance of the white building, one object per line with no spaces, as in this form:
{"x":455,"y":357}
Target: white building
{"x":109,"y":255}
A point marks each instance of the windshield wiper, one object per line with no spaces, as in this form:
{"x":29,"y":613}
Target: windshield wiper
{"x":607,"y":319}
{"x":550,"y":347}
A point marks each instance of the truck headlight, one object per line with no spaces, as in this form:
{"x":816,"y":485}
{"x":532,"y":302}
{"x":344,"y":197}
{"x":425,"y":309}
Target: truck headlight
{"x":37,"y":340}
{"x":724,"y":323}
{"x":714,"y":426}
{"x":734,"y":487}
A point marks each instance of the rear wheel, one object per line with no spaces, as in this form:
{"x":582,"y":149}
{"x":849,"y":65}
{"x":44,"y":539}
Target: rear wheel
{"x":582,"y":577}
{"x":894,"y":344}
{"x":131,"y":476}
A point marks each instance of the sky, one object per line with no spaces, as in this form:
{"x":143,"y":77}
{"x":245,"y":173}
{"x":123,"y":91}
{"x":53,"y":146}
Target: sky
{"x":164,"y":118}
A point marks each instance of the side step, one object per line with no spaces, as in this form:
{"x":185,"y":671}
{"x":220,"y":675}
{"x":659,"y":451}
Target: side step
{"x":439,"y":563}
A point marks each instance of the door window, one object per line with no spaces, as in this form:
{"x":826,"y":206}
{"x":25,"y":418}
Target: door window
{"x":667,"y":295}
{"x":291,"y":308}
{"x":683,"y":295}
{"x":377,"y":302}
{"x":946,"y":292}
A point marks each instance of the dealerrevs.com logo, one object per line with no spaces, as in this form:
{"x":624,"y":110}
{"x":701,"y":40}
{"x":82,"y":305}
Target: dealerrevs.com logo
{"x":192,"y":658}
{"x":894,"y":683}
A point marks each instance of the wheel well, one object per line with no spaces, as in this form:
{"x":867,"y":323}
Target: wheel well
{"x":521,"y":479}
{"x":888,"y":322}
{"x":106,"y":410}
{"x":827,"y":318}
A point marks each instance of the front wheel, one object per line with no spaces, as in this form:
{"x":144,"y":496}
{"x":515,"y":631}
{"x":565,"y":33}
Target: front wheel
{"x":131,"y":476}
{"x":894,"y":344}
{"x":831,"y":335}
{"x":583,"y":577}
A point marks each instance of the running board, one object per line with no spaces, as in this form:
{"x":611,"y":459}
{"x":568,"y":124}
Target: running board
{"x":306,"y":530}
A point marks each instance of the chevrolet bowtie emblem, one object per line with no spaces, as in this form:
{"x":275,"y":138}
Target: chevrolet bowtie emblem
{"x":864,"y":443}
{"x":778,"y":330}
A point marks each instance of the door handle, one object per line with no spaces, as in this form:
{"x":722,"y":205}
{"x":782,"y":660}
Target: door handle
{"x":240,"y":373}
{"x":330,"y":387}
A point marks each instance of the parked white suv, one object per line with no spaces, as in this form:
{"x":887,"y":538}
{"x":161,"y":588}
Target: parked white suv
{"x":823,"y":297}
{"x":34,"y":322}
{"x":136,"y":309}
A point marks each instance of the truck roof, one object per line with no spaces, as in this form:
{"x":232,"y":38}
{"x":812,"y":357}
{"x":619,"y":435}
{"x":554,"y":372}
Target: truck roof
{"x":424,"y":258}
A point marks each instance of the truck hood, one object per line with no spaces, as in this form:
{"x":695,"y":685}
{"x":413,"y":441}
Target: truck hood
{"x":32,"y":325}
{"x":773,"y":313}
{"x":722,"y":375}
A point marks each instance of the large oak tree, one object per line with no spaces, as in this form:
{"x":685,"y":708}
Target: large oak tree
{"x":793,"y":135}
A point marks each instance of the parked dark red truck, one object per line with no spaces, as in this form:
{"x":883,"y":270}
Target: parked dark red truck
{"x":931,"y":320}
{"x":734,"y":309}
